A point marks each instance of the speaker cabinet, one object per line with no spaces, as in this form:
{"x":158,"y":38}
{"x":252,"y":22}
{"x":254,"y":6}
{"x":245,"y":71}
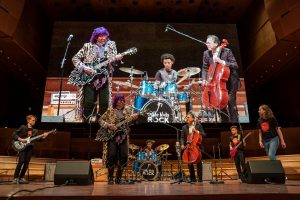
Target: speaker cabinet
{"x":264,"y":171}
{"x":73,"y":172}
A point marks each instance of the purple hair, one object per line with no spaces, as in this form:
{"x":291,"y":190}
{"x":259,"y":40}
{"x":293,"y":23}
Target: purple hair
{"x":116,"y":99}
{"x":98,"y":31}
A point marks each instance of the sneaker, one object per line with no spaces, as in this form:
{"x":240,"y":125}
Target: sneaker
{"x":23,"y":181}
{"x":15,"y":181}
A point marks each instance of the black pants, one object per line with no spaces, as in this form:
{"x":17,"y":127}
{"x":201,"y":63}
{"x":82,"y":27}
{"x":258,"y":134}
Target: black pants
{"x":239,"y":161}
{"x":230,"y":113}
{"x":199,"y":171}
{"x":117,"y":155}
{"x":90,"y":95}
{"x":24,"y":159}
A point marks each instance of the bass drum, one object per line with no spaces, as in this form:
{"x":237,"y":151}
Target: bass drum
{"x":148,"y":171}
{"x":159,"y":111}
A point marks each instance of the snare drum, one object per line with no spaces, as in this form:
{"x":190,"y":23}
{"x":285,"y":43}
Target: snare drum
{"x":182,"y":97}
{"x":159,"y":111}
{"x":170,"y":89}
{"x":148,"y":171}
{"x":141,"y":156}
{"x":148,"y":89}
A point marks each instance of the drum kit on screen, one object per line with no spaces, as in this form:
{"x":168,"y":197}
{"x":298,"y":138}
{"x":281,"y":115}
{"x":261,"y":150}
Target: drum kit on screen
{"x":161,"y":100}
{"x":147,"y":166}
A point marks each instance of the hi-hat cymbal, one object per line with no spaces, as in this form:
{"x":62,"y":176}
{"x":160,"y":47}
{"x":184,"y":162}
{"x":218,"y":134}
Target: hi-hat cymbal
{"x":126,"y":84}
{"x":133,"y":146}
{"x":188,"y":71}
{"x":131,"y":70}
{"x":162,"y":147}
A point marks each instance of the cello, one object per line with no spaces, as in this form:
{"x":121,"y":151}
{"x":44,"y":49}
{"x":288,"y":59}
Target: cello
{"x":215,"y":93}
{"x":192,"y":153}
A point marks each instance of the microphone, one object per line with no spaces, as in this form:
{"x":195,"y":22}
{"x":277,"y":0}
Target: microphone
{"x":70,"y":38}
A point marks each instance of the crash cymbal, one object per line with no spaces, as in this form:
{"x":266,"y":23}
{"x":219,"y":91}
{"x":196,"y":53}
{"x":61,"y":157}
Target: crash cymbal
{"x":125,"y":84}
{"x":131,"y":70}
{"x":166,"y":154}
{"x":162,"y":147}
{"x":188,"y":71}
{"x":133,"y":146}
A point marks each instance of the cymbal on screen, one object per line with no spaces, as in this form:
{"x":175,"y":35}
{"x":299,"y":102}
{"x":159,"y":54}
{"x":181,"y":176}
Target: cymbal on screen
{"x":131,"y":70}
{"x":189,"y":71}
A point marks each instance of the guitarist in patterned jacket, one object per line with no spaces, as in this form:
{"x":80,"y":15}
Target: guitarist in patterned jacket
{"x":100,"y":48}
{"x":24,"y":156}
{"x":117,"y":146}
{"x":237,"y":152}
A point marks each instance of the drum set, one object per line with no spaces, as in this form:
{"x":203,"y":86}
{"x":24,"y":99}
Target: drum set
{"x":148,"y":166}
{"x":161,"y":100}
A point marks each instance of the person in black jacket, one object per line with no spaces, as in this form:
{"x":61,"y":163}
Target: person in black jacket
{"x":24,"y":156}
{"x":190,"y":127}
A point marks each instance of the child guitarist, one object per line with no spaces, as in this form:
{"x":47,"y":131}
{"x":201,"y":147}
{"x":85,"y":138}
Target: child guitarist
{"x":236,"y":146}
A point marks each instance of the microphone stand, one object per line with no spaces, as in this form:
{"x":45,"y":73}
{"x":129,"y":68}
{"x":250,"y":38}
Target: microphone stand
{"x":90,"y":130}
{"x":180,"y":172}
{"x":169,"y":27}
{"x":62,"y":73}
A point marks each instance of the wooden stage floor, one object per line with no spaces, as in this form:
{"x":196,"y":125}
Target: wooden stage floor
{"x":231,"y":189}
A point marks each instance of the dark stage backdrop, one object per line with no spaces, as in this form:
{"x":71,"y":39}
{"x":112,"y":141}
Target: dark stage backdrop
{"x":151,"y":40}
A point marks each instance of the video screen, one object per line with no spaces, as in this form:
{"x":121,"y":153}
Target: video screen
{"x":146,"y":80}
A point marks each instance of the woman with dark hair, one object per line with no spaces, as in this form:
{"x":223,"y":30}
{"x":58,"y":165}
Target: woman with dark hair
{"x":189,"y":128}
{"x":117,"y":146}
{"x":99,"y":49}
{"x":269,"y":132}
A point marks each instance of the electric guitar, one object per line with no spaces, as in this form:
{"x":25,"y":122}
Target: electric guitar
{"x":79,"y":79}
{"x":234,"y":150}
{"x":105,"y":134}
{"x":20,"y":146}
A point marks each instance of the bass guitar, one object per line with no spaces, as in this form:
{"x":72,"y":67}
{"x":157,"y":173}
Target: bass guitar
{"x":234,"y":150}
{"x":20,"y":146}
{"x":79,"y":79}
{"x":105,"y":134}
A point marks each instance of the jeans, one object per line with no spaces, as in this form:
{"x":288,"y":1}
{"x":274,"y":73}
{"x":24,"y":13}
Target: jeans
{"x":271,"y":147}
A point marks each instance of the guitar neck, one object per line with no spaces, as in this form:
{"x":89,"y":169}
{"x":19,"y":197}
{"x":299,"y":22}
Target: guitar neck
{"x":239,"y":144}
{"x":123,"y":122}
{"x":36,"y":137}
{"x":100,"y":65}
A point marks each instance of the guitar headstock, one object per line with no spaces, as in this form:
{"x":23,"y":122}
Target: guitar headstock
{"x":53,"y":131}
{"x":143,"y":112}
{"x":130,"y":51}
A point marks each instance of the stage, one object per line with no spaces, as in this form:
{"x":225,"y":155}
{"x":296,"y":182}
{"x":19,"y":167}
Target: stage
{"x":231,"y":189}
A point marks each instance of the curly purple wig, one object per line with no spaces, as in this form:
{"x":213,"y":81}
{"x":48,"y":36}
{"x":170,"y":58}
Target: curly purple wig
{"x":98,"y":31}
{"x":116,"y":99}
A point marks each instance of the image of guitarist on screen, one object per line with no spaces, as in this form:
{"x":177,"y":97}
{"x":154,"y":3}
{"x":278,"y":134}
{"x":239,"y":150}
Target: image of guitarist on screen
{"x":21,"y":134}
{"x":117,"y":146}
{"x":236,"y":146}
{"x":99,"y":49}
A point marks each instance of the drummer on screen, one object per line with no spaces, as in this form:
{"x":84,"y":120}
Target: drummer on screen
{"x":166,"y":74}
